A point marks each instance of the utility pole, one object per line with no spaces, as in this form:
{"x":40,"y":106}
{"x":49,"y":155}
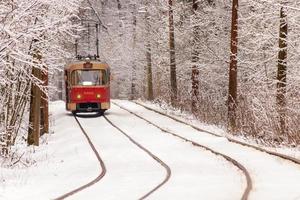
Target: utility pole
{"x":97,"y":41}
{"x":232,"y":96}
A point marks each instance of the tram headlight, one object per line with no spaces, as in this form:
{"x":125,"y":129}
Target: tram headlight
{"x":98,"y":96}
{"x":78,"y":96}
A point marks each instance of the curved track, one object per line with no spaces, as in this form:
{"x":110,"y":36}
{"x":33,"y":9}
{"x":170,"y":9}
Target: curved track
{"x":102,"y":174}
{"x":285,"y":157}
{"x":167,"y":168}
{"x":98,"y":178}
{"x":233,"y":161}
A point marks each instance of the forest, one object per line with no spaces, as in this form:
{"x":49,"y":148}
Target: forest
{"x":233,"y":64}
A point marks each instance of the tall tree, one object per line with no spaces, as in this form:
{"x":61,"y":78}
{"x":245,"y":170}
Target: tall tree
{"x":134,"y":38}
{"x":172,"y":54}
{"x":45,"y":102}
{"x":282,"y":71}
{"x":195,"y":59}
{"x":120,"y":14}
{"x":23,"y":62}
{"x":232,"y":97}
{"x":34,"y":130}
{"x":150,"y":96}
{"x":119,"y":5}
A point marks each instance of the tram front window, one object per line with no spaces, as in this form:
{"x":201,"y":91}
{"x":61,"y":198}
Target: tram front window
{"x":89,"y":77}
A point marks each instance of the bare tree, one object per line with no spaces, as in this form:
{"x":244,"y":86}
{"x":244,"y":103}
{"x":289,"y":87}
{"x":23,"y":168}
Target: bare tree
{"x":195,"y":60}
{"x":172,"y":54}
{"x":150,"y":96}
{"x":249,"y":105}
{"x":34,"y":130}
{"x":45,"y":102}
{"x":232,"y":97}
{"x":23,"y":63}
{"x":282,"y":71}
{"x":134,"y":40}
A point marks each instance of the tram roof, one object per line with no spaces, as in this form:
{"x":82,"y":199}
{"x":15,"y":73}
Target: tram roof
{"x":80,"y":65}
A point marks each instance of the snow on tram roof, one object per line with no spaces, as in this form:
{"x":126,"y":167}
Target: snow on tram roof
{"x":80,"y":64}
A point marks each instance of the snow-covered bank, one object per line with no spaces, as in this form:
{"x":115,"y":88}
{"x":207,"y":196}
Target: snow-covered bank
{"x":188,"y":118}
{"x":62,"y":163}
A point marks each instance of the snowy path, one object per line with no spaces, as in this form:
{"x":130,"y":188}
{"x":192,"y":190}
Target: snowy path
{"x":273,"y":177}
{"x":131,"y":173}
{"x":101,"y":163}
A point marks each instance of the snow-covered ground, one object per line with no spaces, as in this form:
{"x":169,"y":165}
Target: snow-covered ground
{"x":196,"y":173}
{"x":66,"y":162}
{"x":130,"y":172}
{"x":59,"y":167}
{"x":164,"y":108}
{"x":273,"y":178}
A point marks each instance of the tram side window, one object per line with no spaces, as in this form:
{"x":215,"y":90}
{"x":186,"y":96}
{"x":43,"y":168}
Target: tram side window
{"x":89,"y":77}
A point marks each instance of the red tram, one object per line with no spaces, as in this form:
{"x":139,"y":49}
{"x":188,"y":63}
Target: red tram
{"x":87,"y":86}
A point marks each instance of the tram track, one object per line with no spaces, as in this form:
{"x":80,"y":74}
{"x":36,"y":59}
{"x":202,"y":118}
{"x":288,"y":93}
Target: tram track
{"x":248,"y":187}
{"x":100,"y":161}
{"x":163,"y":164}
{"x":290,"y":162}
{"x":285,"y":157}
{"x":103,"y":172}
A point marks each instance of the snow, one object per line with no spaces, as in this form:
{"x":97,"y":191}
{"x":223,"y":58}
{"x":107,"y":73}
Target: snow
{"x":218,"y":130}
{"x":273,"y":178}
{"x":59,"y":167}
{"x":130,"y":172}
{"x":195,"y":172}
{"x":65,"y":161}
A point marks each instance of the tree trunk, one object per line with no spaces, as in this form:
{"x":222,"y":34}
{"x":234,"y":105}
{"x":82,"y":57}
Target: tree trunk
{"x":60,"y":86}
{"x":149,"y":73}
{"x":45,"y":105}
{"x":232,"y":97}
{"x":35,"y":106}
{"x":133,"y":72}
{"x":281,"y":71}
{"x":119,"y":5}
{"x":172,"y":55}
{"x":195,"y":59}
{"x":150,"y":95}
{"x":120,"y":15}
